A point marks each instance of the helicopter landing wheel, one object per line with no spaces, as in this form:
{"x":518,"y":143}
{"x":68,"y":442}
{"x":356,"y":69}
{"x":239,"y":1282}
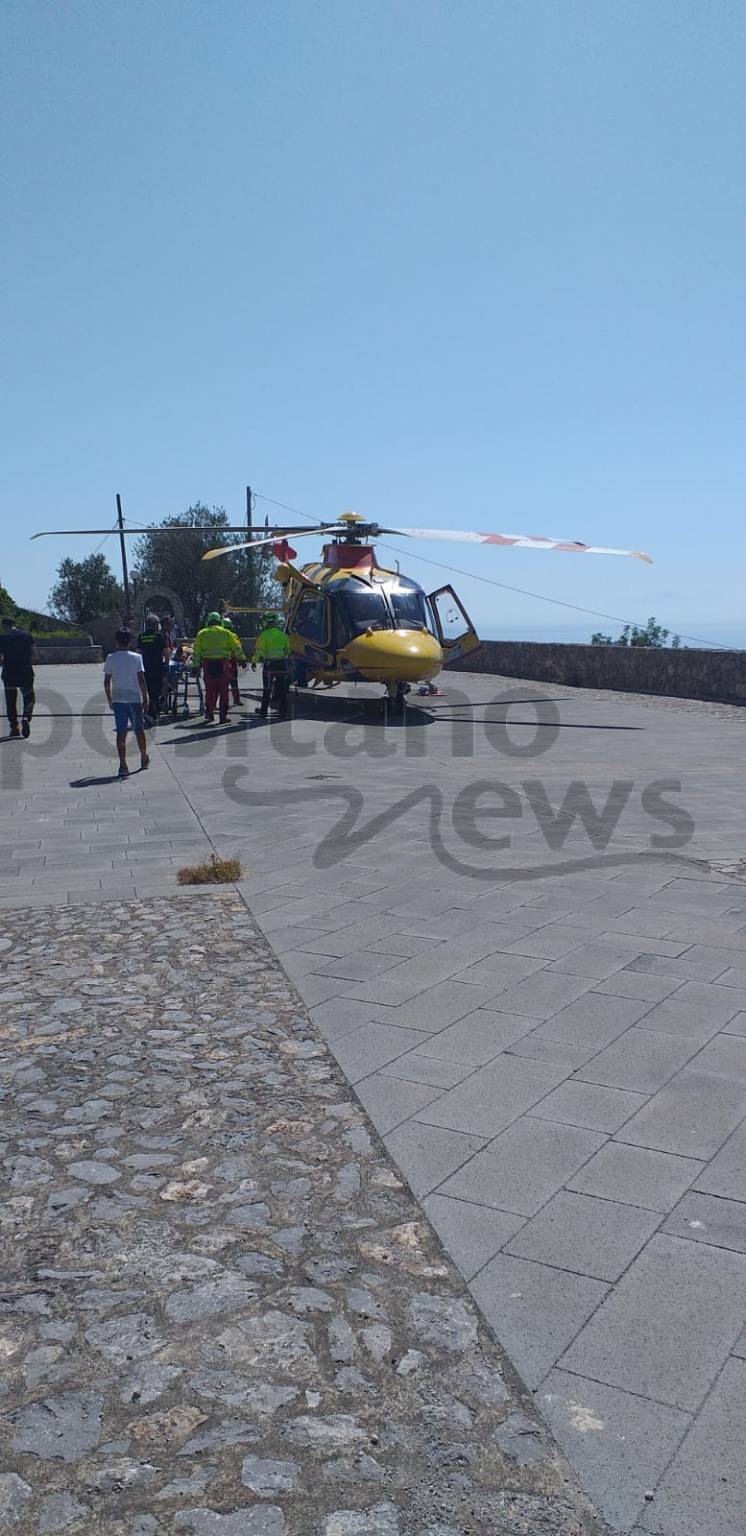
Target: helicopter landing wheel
{"x":395,"y":700}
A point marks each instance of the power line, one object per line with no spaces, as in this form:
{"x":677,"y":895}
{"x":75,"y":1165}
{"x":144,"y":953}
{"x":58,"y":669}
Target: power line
{"x":104,"y":540}
{"x":286,"y":508}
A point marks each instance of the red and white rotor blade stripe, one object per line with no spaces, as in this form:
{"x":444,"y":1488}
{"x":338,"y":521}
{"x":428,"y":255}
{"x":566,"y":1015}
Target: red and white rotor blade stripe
{"x":517,"y":541}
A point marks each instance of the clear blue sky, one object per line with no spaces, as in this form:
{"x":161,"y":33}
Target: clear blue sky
{"x":448,"y":262}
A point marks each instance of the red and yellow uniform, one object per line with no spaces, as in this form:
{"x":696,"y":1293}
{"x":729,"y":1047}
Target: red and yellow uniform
{"x":214,"y":650}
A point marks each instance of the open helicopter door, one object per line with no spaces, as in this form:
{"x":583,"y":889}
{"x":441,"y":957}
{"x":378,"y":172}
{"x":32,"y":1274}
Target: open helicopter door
{"x":454,"y":628}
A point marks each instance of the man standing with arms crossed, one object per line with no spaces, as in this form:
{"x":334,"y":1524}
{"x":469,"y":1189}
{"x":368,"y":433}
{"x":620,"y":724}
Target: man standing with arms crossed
{"x":17,"y":650}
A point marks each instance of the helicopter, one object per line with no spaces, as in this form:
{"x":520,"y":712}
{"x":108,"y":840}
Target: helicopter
{"x":352,"y":620}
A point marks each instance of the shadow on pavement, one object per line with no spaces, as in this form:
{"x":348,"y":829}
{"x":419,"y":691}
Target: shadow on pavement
{"x":109,"y":778}
{"x":536,"y":725}
{"x":196,"y":731}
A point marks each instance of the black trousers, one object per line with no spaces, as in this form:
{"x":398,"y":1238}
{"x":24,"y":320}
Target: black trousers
{"x":26,"y":686}
{"x":275,"y":679}
{"x":154,"y":683}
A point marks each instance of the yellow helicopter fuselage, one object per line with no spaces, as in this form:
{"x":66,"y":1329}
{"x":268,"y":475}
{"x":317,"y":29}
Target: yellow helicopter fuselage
{"x":350,"y":620}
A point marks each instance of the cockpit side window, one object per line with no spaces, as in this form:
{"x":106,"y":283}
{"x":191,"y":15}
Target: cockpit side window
{"x":311,"y":618}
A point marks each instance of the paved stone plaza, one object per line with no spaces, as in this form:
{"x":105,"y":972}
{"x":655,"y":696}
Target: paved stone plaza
{"x":544,"y":1017}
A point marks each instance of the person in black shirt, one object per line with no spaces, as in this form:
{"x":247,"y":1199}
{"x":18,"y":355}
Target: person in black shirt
{"x":153,"y":648}
{"x":17,"y":650}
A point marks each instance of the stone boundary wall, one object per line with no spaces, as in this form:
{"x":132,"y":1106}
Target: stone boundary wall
{"x":66,"y":652}
{"x":685,"y":674}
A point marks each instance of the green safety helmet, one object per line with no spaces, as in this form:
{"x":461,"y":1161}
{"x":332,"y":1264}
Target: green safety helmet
{"x":214,"y":618}
{"x":269,"y":619}
{"x":227,"y":623}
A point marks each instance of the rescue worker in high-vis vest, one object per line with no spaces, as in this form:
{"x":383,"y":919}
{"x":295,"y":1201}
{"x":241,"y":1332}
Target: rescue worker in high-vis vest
{"x":232,"y":665}
{"x":214,"y":648}
{"x":273,"y":650}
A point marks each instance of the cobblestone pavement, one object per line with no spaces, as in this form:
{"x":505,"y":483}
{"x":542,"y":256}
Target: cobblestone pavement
{"x":220,"y":1309}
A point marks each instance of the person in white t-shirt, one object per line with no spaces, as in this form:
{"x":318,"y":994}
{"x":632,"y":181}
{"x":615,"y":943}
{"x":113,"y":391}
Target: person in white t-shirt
{"x":126,"y":691}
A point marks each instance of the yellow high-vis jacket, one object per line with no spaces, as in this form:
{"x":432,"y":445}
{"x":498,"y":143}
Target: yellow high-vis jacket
{"x":213,"y":643}
{"x":272,"y":645}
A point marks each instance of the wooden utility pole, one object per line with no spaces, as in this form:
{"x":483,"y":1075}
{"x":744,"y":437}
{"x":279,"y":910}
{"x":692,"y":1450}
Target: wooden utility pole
{"x":125,"y":573}
{"x":251,"y":574}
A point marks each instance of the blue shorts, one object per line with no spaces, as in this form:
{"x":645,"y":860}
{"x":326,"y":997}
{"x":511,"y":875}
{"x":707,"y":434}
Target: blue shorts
{"x":128,"y":717}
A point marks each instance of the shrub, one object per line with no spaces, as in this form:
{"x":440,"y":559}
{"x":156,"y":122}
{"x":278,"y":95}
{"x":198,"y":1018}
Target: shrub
{"x":212,"y":871}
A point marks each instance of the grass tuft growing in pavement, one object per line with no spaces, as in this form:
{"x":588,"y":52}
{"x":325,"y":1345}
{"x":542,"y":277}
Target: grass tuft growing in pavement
{"x":212,"y":871}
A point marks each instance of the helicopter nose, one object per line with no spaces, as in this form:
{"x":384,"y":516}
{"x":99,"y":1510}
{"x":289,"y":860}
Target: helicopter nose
{"x":395,"y":655}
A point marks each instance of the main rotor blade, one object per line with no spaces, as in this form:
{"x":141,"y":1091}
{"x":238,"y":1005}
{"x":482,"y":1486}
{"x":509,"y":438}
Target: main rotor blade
{"x":297,"y":533}
{"x":516,"y":540}
{"x":68,"y":533}
{"x":277,"y":533}
{"x":178,"y":527}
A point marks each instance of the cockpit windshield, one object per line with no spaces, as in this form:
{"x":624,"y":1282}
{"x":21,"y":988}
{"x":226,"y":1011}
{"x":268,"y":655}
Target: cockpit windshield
{"x":409,"y":607}
{"x":365,"y":608}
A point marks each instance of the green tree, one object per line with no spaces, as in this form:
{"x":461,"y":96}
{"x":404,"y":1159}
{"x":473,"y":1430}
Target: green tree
{"x":7,"y":606}
{"x":85,"y":589}
{"x":174,"y":560}
{"x":651,"y":634}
